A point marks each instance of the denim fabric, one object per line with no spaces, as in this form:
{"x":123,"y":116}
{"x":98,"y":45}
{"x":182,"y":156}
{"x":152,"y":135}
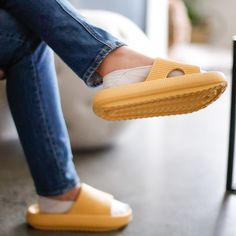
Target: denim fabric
{"x":27,"y":27}
{"x":81,"y":45}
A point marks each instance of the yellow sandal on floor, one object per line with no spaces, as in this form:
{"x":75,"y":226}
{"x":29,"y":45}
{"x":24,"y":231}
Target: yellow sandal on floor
{"x":159,"y":94}
{"x":90,"y":212}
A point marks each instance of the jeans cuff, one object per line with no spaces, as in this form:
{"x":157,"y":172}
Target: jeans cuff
{"x":60,"y":190}
{"x":91,"y":77}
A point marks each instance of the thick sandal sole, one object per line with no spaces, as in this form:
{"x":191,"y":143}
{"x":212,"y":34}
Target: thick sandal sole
{"x":170,"y":96}
{"x":81,"y":229}
{"x":70,"y":222}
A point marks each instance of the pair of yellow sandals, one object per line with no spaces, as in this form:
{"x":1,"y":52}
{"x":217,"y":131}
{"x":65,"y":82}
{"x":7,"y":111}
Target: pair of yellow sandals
{"x":158,"y":95}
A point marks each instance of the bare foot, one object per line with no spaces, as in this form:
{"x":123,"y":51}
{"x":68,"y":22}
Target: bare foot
{"x":123,"y":58}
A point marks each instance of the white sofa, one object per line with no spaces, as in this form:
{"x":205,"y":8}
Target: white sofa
{"x":85,"y":129}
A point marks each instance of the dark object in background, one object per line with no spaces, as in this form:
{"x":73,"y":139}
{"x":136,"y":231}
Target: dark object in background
{"x":230,"y":185}
{"x":2,"y":74}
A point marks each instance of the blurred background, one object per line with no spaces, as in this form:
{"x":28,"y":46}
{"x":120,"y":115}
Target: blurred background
{"x":172,"y":170}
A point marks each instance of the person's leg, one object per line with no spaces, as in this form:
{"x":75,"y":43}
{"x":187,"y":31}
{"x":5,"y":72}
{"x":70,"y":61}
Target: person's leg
{"x":80,"y":45}
{"x":90,"y":52}
{"x":33,"y":97}
{"x":35,"y":105}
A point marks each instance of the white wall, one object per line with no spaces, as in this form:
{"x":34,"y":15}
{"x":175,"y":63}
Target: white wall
{"x":222,"y":14}
{"x":157,"y":25}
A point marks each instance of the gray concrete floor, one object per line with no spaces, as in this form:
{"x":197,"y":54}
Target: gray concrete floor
{"x":170,"y":170}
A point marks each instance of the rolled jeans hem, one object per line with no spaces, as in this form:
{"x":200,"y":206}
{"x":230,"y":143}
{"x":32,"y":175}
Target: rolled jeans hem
{"x":91,"y":77}
{"x":60,"y":190}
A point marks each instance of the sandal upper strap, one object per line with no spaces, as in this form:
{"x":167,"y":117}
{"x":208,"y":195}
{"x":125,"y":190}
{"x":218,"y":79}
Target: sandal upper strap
{"x":163,"y":67}
{"x":92,"y":201}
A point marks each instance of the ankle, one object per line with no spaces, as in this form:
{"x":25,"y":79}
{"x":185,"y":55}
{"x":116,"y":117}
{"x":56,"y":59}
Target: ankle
{"x":68,"y":196}
{"x":123,"y":58}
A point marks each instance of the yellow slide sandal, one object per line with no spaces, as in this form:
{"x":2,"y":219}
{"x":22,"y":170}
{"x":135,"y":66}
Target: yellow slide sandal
{"x":159,"y":94}
{"x":90,"y":212}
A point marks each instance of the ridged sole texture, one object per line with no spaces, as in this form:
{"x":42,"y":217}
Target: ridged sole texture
{"x":180,"y":101}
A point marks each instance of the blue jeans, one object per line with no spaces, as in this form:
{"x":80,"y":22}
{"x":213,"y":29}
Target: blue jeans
{"x":27,"y":29}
